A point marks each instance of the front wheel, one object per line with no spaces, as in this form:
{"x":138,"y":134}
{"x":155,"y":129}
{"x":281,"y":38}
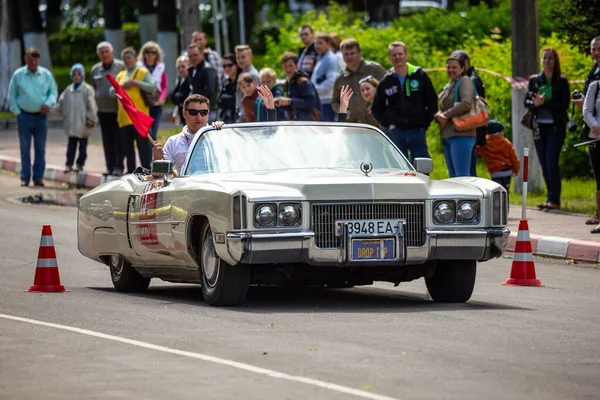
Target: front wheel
{"x":222,"y":284}
{"x":124,"y":277}
{"x":453,"y":281}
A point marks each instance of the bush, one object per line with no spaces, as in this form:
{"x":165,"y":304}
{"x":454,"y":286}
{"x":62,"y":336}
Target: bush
{"x":430,"y":38}
{"x":78,"y":44}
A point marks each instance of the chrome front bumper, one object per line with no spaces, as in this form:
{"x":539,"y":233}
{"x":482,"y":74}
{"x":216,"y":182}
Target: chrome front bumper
{"x":299,"y":247}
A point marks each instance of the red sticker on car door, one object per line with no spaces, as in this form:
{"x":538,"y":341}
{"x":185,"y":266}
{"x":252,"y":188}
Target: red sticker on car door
{"x":147,"y":226}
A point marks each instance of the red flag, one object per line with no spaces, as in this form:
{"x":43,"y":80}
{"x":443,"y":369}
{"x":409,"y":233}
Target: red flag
{"x":142,"y":122}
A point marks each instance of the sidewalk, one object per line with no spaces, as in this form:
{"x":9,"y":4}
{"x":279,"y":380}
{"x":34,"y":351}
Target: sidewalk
{"x":553,"y":233}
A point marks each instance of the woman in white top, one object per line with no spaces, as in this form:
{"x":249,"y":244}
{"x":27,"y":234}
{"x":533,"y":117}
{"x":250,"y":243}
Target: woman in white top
{"x":591,"y":116}
{"x":151,"y":57}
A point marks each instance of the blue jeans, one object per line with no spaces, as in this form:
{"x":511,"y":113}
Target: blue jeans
{"x":328,"y":114}
{"x":548,"y":147}
{"x":474,"y":162}
{"x":156,"y":113}
{"x":457,"y":151}
{"x":36,"y":126}
{"x":410,"y":140}
{"x":72,"y":149}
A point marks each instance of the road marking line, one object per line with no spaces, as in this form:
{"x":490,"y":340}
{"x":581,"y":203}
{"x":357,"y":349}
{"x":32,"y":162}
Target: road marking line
{"x":246,"y":367}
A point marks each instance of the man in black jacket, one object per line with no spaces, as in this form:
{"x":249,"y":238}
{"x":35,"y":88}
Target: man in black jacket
{"x":203,"y":79}
{"x":405,"y":103}
{"x":307,"y":55}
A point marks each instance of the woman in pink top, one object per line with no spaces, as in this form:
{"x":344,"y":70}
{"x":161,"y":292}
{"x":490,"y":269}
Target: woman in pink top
{"x":151,"y":57}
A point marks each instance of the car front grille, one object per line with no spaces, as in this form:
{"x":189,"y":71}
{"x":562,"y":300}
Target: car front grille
{"x":324,"y":216}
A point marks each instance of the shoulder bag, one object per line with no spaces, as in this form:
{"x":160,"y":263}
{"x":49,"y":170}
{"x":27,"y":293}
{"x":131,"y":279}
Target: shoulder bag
{"x":476,"y":117}
{"x":150,"y":99}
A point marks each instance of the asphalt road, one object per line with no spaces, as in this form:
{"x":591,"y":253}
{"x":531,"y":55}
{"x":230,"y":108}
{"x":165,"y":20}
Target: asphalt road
{"x":375,"y":342}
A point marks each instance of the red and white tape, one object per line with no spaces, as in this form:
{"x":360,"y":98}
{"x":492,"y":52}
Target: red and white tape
{"x":517,"y":82}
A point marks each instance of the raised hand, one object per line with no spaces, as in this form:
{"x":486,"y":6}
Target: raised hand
{"x":267,"y":97}
{"x":345,"y":95}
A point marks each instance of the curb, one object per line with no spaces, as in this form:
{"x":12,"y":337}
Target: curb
{"x":558,"y":247}
{"x":54,"y":173}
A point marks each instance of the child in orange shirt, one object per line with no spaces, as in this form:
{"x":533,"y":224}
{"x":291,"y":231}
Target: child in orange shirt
{"x":499,"y":155}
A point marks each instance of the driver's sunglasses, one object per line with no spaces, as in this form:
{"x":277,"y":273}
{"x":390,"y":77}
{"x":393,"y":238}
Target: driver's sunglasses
{"x":193,"y":112}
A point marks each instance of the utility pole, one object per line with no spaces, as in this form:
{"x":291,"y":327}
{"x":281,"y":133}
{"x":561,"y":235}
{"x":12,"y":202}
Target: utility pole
{"x":112,"y":25}
{"x":10,"y":47}
{"x":525,"y":62}
{"x":148,"y":21}
{"x":167,"y":37}
{"x":190,"y":20}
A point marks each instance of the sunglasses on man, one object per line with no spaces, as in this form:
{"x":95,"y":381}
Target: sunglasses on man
{"x":193,"y":112}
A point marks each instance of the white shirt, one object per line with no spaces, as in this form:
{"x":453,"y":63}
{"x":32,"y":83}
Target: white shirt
{"x":591,"y":105}
{"x":177,"y":147}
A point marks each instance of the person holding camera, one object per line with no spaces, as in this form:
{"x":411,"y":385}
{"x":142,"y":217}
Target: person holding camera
{"x":549,"y":97}
{"x":593,"y":76}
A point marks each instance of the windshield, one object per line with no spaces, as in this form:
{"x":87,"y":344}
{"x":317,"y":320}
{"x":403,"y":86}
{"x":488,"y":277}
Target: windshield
{"x":276,"y":147}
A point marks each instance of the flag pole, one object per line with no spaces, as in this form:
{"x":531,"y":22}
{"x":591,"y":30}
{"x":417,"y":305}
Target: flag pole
{"x":151,"y":140}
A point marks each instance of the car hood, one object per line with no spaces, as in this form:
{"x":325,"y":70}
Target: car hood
{"x":337,"y":184}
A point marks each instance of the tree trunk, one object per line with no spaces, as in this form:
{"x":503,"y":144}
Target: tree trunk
{"x":33,"y":31}
{"x":190,"y":20}
{"x":168,"y":37}
{"x":112,"y":25}
{"x":53,"y":17}
{"x":10,"y":47}
{"x":148,"y":21}
{"x":525,"y":62}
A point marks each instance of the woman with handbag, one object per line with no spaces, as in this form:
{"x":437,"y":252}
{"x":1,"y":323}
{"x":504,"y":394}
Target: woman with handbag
{"x":549,"y":98}
{"x":134,"y":80}
{"x":151,"y":57}
{"x":456,"y":99}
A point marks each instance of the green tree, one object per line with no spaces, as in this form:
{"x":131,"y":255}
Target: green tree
{"x":578,"y":21}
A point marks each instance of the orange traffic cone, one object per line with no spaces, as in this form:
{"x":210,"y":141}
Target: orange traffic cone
{"x":523,"y":268}
{"x":46,"y":273}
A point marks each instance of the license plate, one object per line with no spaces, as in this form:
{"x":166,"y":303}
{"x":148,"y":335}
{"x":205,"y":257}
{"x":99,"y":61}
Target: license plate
{"x":387,"y":227}
{"x":373,"y":249}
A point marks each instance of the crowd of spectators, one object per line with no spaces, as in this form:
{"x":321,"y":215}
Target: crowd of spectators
{"x":401,"y":101}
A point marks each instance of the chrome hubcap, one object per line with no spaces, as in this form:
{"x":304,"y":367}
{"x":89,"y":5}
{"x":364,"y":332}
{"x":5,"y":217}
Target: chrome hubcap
{"x":116,"y":264}
{"x":210,"y":261}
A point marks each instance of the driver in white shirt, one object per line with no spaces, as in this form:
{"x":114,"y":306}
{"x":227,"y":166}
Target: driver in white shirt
{"x":195,"y":112}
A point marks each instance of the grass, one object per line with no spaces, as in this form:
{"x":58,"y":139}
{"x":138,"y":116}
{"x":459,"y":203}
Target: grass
{"x":578,"y":195}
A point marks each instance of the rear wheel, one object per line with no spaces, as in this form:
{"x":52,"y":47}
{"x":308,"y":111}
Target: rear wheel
{"x":222,"y":284}
{"x":124,"y":277}
{"x":453,"y":281}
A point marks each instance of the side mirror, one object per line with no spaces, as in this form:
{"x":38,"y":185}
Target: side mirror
{"x":162,"y":167}
{"x":423,"y":165}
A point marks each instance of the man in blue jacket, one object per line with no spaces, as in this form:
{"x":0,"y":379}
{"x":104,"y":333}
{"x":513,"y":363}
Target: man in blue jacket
{"x":303,"y":102}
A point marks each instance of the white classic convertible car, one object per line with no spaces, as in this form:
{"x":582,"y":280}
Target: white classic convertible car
{"x":293,"y":202}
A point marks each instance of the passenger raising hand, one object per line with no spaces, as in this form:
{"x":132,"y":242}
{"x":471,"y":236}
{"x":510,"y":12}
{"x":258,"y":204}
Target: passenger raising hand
{"x":345,"y":95}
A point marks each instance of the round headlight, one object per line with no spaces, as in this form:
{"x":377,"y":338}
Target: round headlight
{"x":289,"y":214}
{"x":265,"y":215}
{"x":466,"y":212}
{"x":443,"y":212}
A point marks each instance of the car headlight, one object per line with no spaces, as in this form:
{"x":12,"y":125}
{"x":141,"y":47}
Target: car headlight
{"x":289,"y":214}
{"x":466,"y":212}
{"x":265,"y":214}
{"x":443,"y":212}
